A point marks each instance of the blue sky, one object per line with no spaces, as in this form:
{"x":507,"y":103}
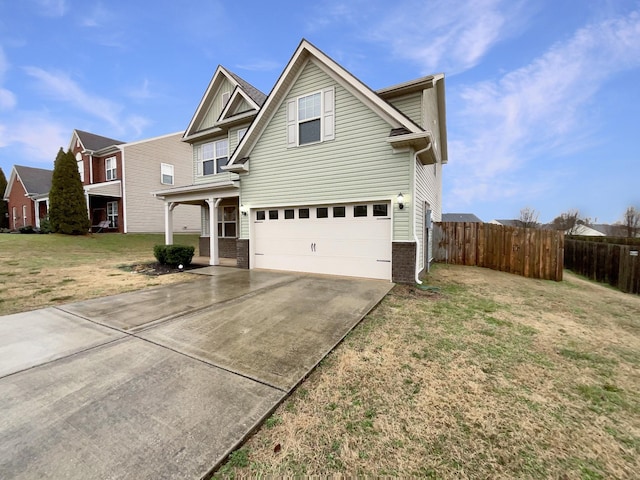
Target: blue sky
{"x":543,"y":96}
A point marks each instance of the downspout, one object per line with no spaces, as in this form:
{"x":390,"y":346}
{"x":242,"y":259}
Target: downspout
{"x":415,"y":235}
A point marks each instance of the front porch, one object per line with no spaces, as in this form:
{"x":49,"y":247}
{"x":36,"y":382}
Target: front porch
{"x":220,"y":211}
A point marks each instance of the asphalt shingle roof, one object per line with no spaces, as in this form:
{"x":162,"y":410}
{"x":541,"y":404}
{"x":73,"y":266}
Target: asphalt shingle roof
{"x":460,"y":217}
{"x":94,"y":142}
{"x":36,"y":181}
{"x":255,"y":94}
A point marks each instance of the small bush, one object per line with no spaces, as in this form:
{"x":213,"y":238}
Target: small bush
{"x":45,"y":225}
{"x":27,"y":229}
{"x":174,"y":255}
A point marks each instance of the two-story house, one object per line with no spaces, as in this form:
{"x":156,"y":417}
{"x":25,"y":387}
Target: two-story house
{"x":324,"y":176}
{"x":118,"y":178}
{"x":27,"y":196}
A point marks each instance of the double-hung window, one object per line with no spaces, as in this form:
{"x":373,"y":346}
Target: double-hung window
{"x":80,"y":163}
{"x":110,"y":168}
{"x":213,"y":156}
{"x":166,"y":174}
{"x":311,"y":118}
{"x":112,"y":214}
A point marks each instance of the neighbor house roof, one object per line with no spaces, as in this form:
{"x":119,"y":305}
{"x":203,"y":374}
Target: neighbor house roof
{"x":93,"y":142}
{"x":36,"y":181}
{"x":460,"y":217}
{"x":508,"y":223}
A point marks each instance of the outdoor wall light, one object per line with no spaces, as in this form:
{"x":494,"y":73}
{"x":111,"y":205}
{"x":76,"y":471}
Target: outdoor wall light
{"x":400,"y":201}
{"x":243,"y":210}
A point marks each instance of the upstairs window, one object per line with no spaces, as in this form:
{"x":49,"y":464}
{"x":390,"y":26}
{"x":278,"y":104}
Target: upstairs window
{"x":212,"y":157}
{"x":310,"y":118}
{"x":166,"y":174}
{"x":110,"y":168}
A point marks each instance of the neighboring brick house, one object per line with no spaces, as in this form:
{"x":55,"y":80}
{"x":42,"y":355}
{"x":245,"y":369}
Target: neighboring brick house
{"x":118,"y":179}
{"x":27,"y":195}
{"x":324,"y":176}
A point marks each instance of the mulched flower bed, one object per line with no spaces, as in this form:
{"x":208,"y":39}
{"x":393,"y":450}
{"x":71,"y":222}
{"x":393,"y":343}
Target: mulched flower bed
{"x":154,"y":269}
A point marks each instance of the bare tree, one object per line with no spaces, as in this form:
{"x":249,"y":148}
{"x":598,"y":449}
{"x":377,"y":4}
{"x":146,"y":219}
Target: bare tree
{"x":528,"y":218}
{"x":568,"y":221}
{"x":631,"y":221}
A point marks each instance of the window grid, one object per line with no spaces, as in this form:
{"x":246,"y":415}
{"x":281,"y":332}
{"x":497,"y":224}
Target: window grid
{"x":110,"y":168}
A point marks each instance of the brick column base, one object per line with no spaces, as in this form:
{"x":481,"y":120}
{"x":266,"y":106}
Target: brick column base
{"x":204,"y":246}
{"x":242,"y":248}
{"x":403,"y":262}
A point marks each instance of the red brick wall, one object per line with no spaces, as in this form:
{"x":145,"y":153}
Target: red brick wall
{"x":18,"y":200}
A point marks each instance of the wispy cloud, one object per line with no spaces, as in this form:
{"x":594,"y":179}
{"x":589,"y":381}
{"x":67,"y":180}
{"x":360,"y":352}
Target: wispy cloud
{"x":52,"y":8}
{"x":142,"y":92}
{"x":437,"y":35}
{"x":260,"y":66}
{"x":60,"y":87}
{"x":538,"y":111}
{"x":7,"y":98}
{"x":36,"y":134}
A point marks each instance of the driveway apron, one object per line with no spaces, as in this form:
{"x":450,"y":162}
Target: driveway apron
{"x":164,"y":383}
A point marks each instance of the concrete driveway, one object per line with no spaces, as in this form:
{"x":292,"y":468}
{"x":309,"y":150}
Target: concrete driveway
{"x":164,"y":383}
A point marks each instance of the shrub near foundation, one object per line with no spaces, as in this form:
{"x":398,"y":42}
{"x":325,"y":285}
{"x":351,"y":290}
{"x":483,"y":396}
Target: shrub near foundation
{"x":174,"y":255}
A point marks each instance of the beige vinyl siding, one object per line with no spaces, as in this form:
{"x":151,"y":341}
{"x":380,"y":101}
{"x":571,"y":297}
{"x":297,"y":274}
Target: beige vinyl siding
{"x":215,"y":109}
{"x":410,"y":105}
{"x":144,"y":212}
{"x":358,"y":164}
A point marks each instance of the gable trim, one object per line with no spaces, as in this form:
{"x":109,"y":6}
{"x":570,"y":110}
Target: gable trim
{"x":304,"y":53}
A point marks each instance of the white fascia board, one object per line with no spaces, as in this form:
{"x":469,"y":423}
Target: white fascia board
{"x":12,"y":179}
{"x":237,"y":92}
{"x":209,"y":132}
{"x":137,"y":142}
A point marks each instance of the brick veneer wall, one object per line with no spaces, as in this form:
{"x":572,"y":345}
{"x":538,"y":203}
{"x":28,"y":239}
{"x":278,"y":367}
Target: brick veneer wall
{"x":226,"y":247}
{"x":242,"y":255}
{"x":403,"y":262}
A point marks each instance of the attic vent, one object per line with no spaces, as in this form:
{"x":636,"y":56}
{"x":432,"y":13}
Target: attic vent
{"x":225,"y":98}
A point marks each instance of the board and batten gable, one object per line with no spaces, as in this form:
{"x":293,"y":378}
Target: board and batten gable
{"x":216,"y":106}
{"x":358,"y":164}
{"x":142,"y":175}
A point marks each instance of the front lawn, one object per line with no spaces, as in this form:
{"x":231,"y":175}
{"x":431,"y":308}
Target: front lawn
{"x":491,"y":376}
{"x":43,"y":270}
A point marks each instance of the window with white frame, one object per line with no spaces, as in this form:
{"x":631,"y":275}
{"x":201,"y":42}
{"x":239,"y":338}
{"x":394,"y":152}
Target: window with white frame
{"x":224,"y":98}
{"x":80,"y":166}
{"x":112,"y":214}
{"x":227,"y":221}
{"x":110,"y":168}
{"x":311,"y":118}
{"x":24,"y":215}
{"x":166,"y":174}
{"x":212,"y":157}
{"x":241,"y":133}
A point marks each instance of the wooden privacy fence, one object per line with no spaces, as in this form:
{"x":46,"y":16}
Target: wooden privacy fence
{"x":529,"y":252}
{"x":617,"y":265}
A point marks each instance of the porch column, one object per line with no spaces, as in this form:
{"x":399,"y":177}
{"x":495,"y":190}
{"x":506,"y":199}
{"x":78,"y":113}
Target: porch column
{"x":168,"y":222}
{"x":214,"y":257}
{"x":86,"y":197}
{"x":37,"y":213}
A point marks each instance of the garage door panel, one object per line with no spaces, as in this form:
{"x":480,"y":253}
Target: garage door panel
{"x":352,"y":246}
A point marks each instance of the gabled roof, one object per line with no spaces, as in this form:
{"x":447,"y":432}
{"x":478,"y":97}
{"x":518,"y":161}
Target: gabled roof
{"x":460,"y":217}
{"x":256,"y":96}
{"x":304,"y":53}
{"x":36,"y":181}
{"x":93,"y":142}
{"x":235,"y":101}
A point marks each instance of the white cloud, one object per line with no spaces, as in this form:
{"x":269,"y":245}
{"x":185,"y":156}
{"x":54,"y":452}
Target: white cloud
{"x":52,"y":8}
{"x":62,"y":88}
{"x":535,"y":111}
{"x":37,"y":135}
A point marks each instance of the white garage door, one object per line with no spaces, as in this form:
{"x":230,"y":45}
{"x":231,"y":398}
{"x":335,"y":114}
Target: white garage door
{"x":348,"y":239}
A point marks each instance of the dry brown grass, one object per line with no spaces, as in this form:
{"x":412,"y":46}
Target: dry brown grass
{"x":494,"y":376}
{"x":39,"y":271}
